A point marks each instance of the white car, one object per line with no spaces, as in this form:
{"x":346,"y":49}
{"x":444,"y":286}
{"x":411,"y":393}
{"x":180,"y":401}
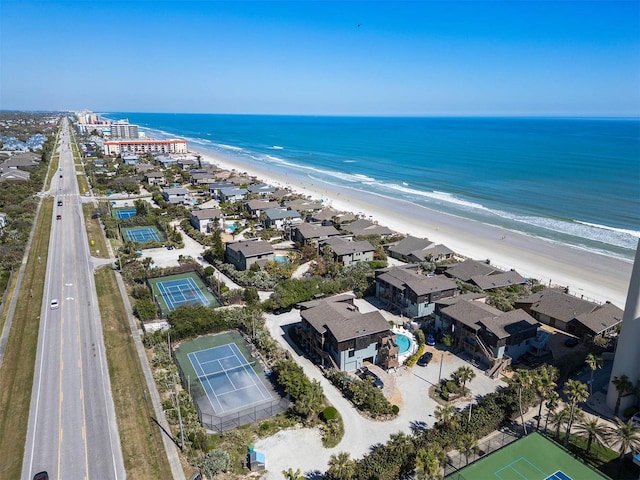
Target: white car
{"x":54,"y":304}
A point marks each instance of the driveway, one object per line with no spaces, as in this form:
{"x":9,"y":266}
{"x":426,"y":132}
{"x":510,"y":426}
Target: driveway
{"x":416,"y":407}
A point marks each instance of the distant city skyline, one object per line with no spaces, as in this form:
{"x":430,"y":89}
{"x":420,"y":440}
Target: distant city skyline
{"x":414,"y":58}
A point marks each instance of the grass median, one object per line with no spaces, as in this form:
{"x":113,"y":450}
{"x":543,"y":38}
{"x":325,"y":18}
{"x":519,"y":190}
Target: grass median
{"x":142,"y":447}
{"x":16,"y":375}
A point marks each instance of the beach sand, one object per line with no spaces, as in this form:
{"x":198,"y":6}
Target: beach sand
{"x":595,"y":277}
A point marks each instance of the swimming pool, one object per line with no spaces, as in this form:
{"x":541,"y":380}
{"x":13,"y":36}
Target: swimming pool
{"x":403,"y":342}
{"x":283,"y":259}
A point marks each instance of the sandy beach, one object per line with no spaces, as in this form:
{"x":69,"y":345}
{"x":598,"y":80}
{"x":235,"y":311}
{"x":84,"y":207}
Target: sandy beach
{"x":595,"y":277}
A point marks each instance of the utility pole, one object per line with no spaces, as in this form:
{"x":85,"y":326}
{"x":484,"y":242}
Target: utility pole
{"x":175,"y":384}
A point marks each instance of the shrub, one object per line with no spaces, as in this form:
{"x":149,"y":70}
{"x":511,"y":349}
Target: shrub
{"x":395,"y":409}
{"x":329,"y":413}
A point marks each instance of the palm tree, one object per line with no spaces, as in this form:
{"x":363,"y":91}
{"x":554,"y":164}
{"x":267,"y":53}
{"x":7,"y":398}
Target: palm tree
{"x":593,"y":429}
{"x":544,"y":383}
{"x":521,"y":379}
{"x":403,"y":449}
{"x":428,"y":463}
{"x":576,"y":393}
{"x":553,"y":400}
{"x":623,"y":386}
{"x":465,"y":374}
{"x":594,"y":362}
{"x":559,"y":418}
{"x":467,"y":445}
{"x":341,"y":467}
{"x":627,"y":436}
{"x":445,"y":414}
{"x":291,"y":475}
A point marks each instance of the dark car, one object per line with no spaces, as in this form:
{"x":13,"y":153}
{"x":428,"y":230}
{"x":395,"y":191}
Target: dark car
{"x":41,"y":476}
{"x":58,"y":217}
{"x":281,"y":310}
{"x":424,"y":360}
{"x":59,"y":203}
{"x":431,"y":341}
{"x":365,"y":373}
{"x":571,"y":342}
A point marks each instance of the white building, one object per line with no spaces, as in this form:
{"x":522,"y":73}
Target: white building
{"x":116,"y":147}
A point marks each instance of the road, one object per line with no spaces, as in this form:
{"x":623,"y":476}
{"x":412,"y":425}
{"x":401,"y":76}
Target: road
{"x":72,"y":431}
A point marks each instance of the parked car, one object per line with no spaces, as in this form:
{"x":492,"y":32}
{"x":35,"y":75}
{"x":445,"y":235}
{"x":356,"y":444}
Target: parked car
{"x":365,"y":373}
{"x":424,"y":360}
{"x":431,"y":341}
{"x":281,"y":310}
{"x":571,"y":342}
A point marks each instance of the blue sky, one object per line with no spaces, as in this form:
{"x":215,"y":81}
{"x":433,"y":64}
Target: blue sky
{"x":335,"y":57}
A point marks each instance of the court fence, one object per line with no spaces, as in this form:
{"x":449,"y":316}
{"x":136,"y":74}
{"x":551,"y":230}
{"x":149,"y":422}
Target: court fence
{"x":457,"y":461}
{"x":243,"y":416}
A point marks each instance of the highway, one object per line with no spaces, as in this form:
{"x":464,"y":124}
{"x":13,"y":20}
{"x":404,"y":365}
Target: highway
{"x":72,"y":432}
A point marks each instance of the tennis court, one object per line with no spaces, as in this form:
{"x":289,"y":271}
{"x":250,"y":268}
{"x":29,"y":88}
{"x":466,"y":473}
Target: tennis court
{"x":124,"y":213}
{"x":174,"y":291}
{"x":141,"y":234}
{"x":227,"y":378}
{"x":533,"y":457}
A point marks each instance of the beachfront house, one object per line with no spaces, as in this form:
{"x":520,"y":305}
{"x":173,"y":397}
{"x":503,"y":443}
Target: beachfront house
{"x":175,"y":195}
{"x":244,"y":253}
{"x":414,"y":250}
{"x":129,"y":158}
{"x":337,"y":335}
{"x":206,"y":220}
{"x":215,"y":188}
{"x":348,"y":252}
{"x":303,"y":205}
{"x":468,"y":269}
{"x":557,"y":308}
{"x":261,"y":189}
{"x":281,"y":218}
{"x":310,"y":233}
{"x":257,"y":206}
{"x":490,"y":336}
{"x":362,"y":228}
{"x":498,"y":280}
{"x":201,"y":178}
{"x":232,"y":194}
{"x":406,"y":290}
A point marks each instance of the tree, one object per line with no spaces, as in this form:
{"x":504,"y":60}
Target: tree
{"x":464,"y":374}
{"x":553,"y":400}
{"x":428,"y":463}
{"x":593,"y":429}
{"x":445,"y":414}
{"x":544,"y":383}
{"x":291,"y":475}
{"x":626,"y":436}
{"x":623,"y":386}
{"x":594,"y":362}
{"x":559,"y":418}
{"x":341,"y":467}
{"x":521,"y":379}
{"x":576,"y":393}
{"x":467,"y":445}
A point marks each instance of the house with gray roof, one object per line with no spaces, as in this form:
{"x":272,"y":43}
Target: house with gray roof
{"x":469,"y":268}
{"x":303,"y":205}
{"x":410,"y":292}
{"x":498,"y":280}
{"x":489,"y":335}
{"x":207,"y":219}
{"x":155,"y":178}
{"x":232,"y":194}
{"x":201,"y":178}
{"x":307,"y":233}
{"x":348,"y":252}
{"x":216,"y":187}
{"x":336,"y":334}
{"x":257,"y":206}
{"x":22,"y":161}
{"x":175,"y":195}
{"x":244,"y":253}
{"x":602,"y":321}
{"x":14,"y":175}
{"x":261,"y":189}
{"x":165,"y":160}
{"x":412,"y":249}
{"x":279,"y":218}
{"x":364,"y":227}
{"x":555,"y":307}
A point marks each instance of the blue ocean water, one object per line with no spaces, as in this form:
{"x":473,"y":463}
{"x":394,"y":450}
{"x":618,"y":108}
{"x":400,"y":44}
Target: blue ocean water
{"x":574,"y":181}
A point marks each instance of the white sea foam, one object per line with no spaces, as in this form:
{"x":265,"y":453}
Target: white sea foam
{"x":277,"y":147}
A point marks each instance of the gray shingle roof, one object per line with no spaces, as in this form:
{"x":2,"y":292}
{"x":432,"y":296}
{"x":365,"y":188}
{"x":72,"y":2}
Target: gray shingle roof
{"x":281,"y":213}
{"x":555,"y":303}
{"x":410,"y":244}
{"x":365,"y":227}
{"x":468,"y":269}
{"x":207,"y":213}
{"x":497,"y":280}
{"x":509,"y":323}
{"x":602,"y":318}
{"x":310,"y":230}
{"x":419,"y":284}
{"x":251,"y":248}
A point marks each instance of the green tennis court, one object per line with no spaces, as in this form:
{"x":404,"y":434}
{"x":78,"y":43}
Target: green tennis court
{"x":172,"y":291}
{"x":533,"y":457}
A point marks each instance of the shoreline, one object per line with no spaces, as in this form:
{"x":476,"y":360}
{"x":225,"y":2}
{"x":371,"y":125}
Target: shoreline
{"x":595,"y":277}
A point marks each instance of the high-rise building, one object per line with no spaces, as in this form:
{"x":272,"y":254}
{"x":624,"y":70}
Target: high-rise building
{"x":124,"y":130}
{"x":627,"y":357}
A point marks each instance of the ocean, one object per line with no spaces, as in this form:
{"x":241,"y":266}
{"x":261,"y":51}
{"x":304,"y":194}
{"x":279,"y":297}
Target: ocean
{"x":574,"y":181}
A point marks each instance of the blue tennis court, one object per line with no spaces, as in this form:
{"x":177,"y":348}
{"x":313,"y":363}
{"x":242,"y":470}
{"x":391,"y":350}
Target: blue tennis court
{"x":227,"y":378}
{"x":141,"y":234}
{"x":124,"y":213}
{"x":559,"y":475}
{"x":182,"y":291}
